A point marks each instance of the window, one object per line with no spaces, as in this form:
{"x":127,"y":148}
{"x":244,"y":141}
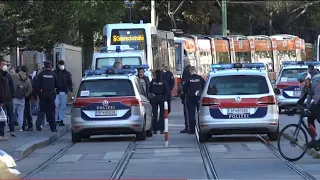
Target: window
{"x":109,"y":61}
{"x":291,"y":75}
{"x":135,"y":38}
{"x":238,"y":85}
{"x":178,"y":57}
{"x":106,"y":88}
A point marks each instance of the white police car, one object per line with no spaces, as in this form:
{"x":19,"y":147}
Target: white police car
{"x":288,"y":84}
{"x":111,"y":101}
{"x":238,"y":99}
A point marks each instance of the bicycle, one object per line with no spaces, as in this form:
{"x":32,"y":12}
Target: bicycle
{"x":299,"y":127}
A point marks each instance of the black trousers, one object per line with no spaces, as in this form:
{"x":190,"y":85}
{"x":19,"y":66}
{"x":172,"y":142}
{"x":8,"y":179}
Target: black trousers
{"x":47,"y":107}
{"x":157,"y":102}
{"x":8,"y":106}
{"x":192,"y":106}
{"x":27,"y":114}
{"x":185,"y":113}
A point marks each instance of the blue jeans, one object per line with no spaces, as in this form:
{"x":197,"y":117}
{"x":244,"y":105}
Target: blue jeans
{"x":18,"y":107}
{"x":61,"y":105}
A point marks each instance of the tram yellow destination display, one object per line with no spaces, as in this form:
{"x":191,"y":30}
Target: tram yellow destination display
{"x":127,"y":38}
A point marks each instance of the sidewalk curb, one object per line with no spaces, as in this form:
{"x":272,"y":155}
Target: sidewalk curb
{"x":23,"y":151}
{"x":315,"y":154}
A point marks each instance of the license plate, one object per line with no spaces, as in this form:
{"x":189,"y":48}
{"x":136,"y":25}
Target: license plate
{"x":106,"y":113}
{"x":239,"y":111}
{"x":296,"y":93}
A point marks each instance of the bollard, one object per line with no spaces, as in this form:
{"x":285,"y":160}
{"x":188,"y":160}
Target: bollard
{"x":166,"y":125}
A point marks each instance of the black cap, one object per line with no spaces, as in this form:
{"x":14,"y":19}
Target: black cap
{"x":47,"y":64}
{"x":61,"y":62}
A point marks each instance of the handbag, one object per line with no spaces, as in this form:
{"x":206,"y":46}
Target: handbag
{"x":34,"y":108}
{"x":3,"y":116}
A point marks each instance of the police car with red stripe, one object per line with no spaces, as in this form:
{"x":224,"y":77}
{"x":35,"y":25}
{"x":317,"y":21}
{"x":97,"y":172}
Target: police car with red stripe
{"x":111,"y":101}
{"x":238,"y":99}
{"x":288,"y":84}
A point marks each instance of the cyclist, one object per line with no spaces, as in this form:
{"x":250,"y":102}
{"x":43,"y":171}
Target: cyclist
{"x":311,"y":90}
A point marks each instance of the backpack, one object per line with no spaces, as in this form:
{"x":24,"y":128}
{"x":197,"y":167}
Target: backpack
{"x":21,"y":89}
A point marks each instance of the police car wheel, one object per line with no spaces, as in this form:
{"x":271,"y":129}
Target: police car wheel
{"x":273,"y":136}
{"x":75,"y":138}
{"x":203,"y":137}
{"x":141,"y":136}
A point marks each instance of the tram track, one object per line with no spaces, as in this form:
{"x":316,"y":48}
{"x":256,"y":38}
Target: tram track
{"x":207,"y":162}
{"x":117,"y":173}
{"x":119,"y":170}
{"x":48,"y":162}
{"x":293,"y":166}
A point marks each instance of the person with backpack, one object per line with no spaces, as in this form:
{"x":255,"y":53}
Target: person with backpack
{"x":23,"y":89}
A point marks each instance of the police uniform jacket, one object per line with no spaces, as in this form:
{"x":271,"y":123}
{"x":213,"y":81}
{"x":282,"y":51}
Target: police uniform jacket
{"x":193,"y":84}
{"x":46,"y":82}
{"x":159,"y":88}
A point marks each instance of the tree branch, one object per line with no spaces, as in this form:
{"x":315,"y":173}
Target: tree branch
{"x":305,"y":6}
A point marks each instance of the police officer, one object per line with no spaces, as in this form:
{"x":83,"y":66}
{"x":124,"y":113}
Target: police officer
{"x":169,"y":78}
{"x":159,"y":92}
{"x":192,"y":87}
{"x":185,"y":76}
{"x":45,"y":88}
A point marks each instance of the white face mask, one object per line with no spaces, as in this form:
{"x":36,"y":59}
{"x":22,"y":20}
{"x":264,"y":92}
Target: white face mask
{"x":62,"y":67}
{"x":5,"y":68}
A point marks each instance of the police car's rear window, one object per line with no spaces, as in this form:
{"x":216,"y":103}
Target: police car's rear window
{"x":106,"y":88}
{"x":238,"y":85}
{"x":291,"y":75}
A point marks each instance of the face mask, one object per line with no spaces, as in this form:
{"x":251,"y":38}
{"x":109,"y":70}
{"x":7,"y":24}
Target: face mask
{"x":62,"y":67}
{"x":5,"y":68}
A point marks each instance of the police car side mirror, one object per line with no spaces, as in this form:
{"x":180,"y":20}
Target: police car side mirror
{"x":276,"y":91}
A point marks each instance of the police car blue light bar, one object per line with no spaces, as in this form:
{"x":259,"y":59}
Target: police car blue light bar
{"x":143,"y":66}
{"x":94,"y":72}
{"x":237,"y":65}
{"x":287,"y":63}
{"x":315,"y":63}
{"x":222,"y":66}
{"x":253,"y":65}
{"x":125,"y":71}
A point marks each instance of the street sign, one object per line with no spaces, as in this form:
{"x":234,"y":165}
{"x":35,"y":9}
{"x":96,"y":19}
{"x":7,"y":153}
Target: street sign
{"x":129,"y":3}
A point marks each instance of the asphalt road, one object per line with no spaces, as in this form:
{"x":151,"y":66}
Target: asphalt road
{"x":233,"y":157}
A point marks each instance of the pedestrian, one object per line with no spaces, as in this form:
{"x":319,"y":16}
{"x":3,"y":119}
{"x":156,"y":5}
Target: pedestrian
{"x":28,"y":122}
{"x":5,"y":96}
{"x":144,"y":80}
{"x":185,"y":76}
{"x":46,"y":86}
{"x":159,"y":93}
{"x":8,"y":106}
{"x":117,"y":65}
{"x":193,"y":88}
{"x":64,"y":88}
{"x":37,"y":71}
{"x":22,"y":89}
{"x":169,"y":78}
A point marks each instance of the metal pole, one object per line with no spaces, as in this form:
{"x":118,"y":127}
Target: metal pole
{"x":130,"y":14}
{"x":153,"y":13}
{"x":224,"y":18}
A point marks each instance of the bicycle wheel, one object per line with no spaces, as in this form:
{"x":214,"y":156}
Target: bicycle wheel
{"x":287,"y":141}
